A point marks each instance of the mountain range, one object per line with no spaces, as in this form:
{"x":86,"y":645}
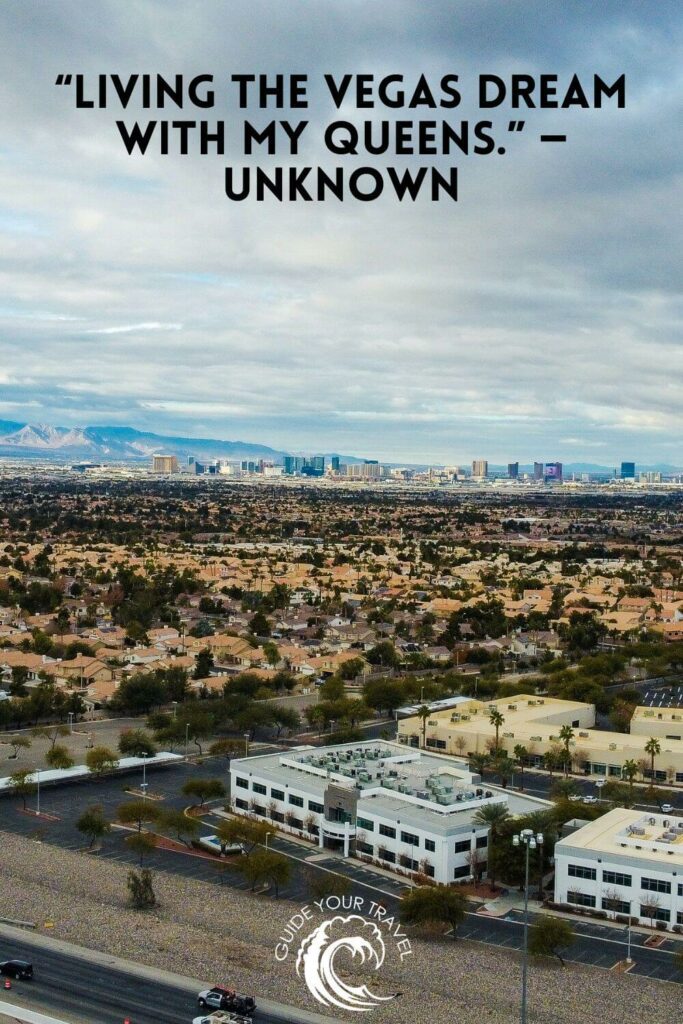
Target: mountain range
{"x":116,"y":444}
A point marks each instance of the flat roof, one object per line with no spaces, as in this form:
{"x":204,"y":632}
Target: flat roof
{"x":628,"y":833}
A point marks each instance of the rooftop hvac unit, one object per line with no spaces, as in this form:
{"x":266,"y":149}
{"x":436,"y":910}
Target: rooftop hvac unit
{"x":584,"y":735}
{"x":512,"y":707}
{"x":442,"y":799}
{"x":612,"y":746}
{"x":653,"y":821}
{"x":422,"y":794}
{"x":541,"y":700}
{"x":531,"y":703}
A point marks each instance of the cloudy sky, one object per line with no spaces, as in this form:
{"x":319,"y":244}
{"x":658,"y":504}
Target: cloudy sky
{"x":539,"y":317}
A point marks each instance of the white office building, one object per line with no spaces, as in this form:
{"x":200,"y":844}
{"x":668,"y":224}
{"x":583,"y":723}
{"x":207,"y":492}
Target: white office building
{"x":402,"y":808}
{"x":625,"y":862}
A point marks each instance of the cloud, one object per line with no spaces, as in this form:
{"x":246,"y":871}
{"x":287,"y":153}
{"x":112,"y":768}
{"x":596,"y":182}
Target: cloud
{"x":538,"y":317}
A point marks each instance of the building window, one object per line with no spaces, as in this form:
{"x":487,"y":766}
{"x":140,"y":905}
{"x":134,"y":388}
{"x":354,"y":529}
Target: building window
{"x":679,"y":917}
{"x":430,"y":845}
{"x":579,"y":871}
{"x":482,"y":842}
{"x":428,"y":870}
{"x":463,"y":846}
{"x":242,"y":783}
{"x":242,"y":804}
{"x":655,"y":885}
{"x":462,"y":872}
{"x":257,"y":809}
{"x":388,"y":855}
{"x":313,"y":805}
{"x":616,"y":878}
{"x":654,"y":913}
{"x":680,"y":890}
{"x":259,"y":788}
{"x":580,"y":899}
{"x":277,"y":816}
{"x":364,"y":848}
{"x":297,"y":801}
{"x":366,"y":824}
{"x":387,"y":830}
{"x":295,"y":822}
{"x":616,"y":906}
{"x":410,"y":838}
{"x":679,"y":776}
{"x":277,"y":794}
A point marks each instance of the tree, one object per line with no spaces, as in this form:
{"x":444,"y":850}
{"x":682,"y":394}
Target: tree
{"x":245,"y":831}
{"x":101,"y":760}
{"x":629,"y":770}
{"x":479,"y":763}
{"x":51,"y":732}
{"x":550,"y":935}
{"x":141,"y":889}
{"x":59,"y":757}
{"x":17,"y":686}
{"x":271,"y":652}
{"x":284,"y":718}
{"x":327,"y":883}
{"x":184,"y":828}
{"x":21,"y":784}
{"x":496,"y":718}
{"x":493,"y":816}
{"x":566,"y":735}
{"x":137,"y":812}
{"x":204,"y":789}
{"x":226,"y":748}
{"x":203,"y":664}
{"x":433,"y":904}
{"x":266,"y":866}
{"x":198,"y":725}
{"x":17,"y":743}
{"x":137,"y":743}
{"x":142,"y":843}
{"x":504,"y":768}
{"x":521,"y":753}
{"x":653,"y":747}
{"x":93,"y":824}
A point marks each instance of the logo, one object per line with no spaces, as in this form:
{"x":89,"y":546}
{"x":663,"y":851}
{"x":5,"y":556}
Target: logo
{"x":360,"y":940}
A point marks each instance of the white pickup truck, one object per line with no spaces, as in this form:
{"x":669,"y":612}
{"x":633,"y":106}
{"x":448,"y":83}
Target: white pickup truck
{"x":223,"y":1017}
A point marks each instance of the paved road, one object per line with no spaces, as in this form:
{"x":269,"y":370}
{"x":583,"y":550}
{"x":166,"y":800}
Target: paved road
{"x":77,"y":987}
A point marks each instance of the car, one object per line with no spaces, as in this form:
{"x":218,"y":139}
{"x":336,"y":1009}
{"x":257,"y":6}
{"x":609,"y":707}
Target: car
{"x":223,"y":1017}
{"x":667,"y":808}
{"x":21,"y":969}
{"x":590,"y":800}
{"x":220,"y":997}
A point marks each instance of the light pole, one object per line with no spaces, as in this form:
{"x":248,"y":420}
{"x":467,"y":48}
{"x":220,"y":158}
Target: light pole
{"x":175,"y":707}
{"x":599,"y":783}
{"x":144,"y":776}
{"x":38,"y":793}
{"x":187,"y":736}
{"x":530,"y":841}
{"x":628,"y":939}
{"x":246,"y":744}
{"x":267,"y":835}
{"x":71,"y":722}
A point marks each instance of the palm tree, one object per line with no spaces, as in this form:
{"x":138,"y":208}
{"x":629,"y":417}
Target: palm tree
{"x":629,"y":770}
{"x":653,"y":747}
{"x":479,"y":763}
{"x":566,"y":735}
{"x":521,"y":753}
{"x":492,"y":815}
{"x":423,"y":713}
{"x":496,"y":719}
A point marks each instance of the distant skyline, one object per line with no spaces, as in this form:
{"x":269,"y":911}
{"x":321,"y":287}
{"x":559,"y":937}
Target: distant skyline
{"x":541,"y":314}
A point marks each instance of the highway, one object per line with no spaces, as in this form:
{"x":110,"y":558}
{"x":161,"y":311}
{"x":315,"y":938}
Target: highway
{"x":80,"y":986}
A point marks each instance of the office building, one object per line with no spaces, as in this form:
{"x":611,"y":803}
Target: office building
{"x":480,"y":469}
{"x":513,"y":470}
{"x":401,"y":807}
{"x":538,"y":470}
{"x":164,"y":464}
{"x":628,"y":471}
{"x":335,"y":463}
{"x":535,"y":722}
{"x":626,"y":862}
{"x":362,"y":470}
{"x":553,"y":472}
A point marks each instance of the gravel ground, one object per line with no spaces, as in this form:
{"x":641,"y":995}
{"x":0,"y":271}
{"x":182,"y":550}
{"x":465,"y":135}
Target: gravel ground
{"x":441,"y":981}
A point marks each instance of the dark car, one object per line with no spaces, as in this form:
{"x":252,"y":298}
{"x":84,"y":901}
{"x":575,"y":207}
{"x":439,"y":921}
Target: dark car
{"x":17,"y":969}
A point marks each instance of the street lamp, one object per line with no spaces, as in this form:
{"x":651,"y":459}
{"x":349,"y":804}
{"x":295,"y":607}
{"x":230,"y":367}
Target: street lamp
{"x":267,"y":835}
{"x":530,"y":841}
{"x":599,"y":783}
{"x":628,"y":940}
{"x":175,"y":707}
{"x":71,"y":721}
{"x":246,"y":744}
{"x":144,"y":776}
{"x":187,"y":736}
{"x":38,"y":793}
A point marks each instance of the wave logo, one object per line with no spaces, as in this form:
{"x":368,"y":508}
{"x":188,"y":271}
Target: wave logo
{"x":319,"y":954}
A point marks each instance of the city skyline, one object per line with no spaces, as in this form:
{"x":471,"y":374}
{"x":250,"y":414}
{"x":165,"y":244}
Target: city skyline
{"x":543,"y":305}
